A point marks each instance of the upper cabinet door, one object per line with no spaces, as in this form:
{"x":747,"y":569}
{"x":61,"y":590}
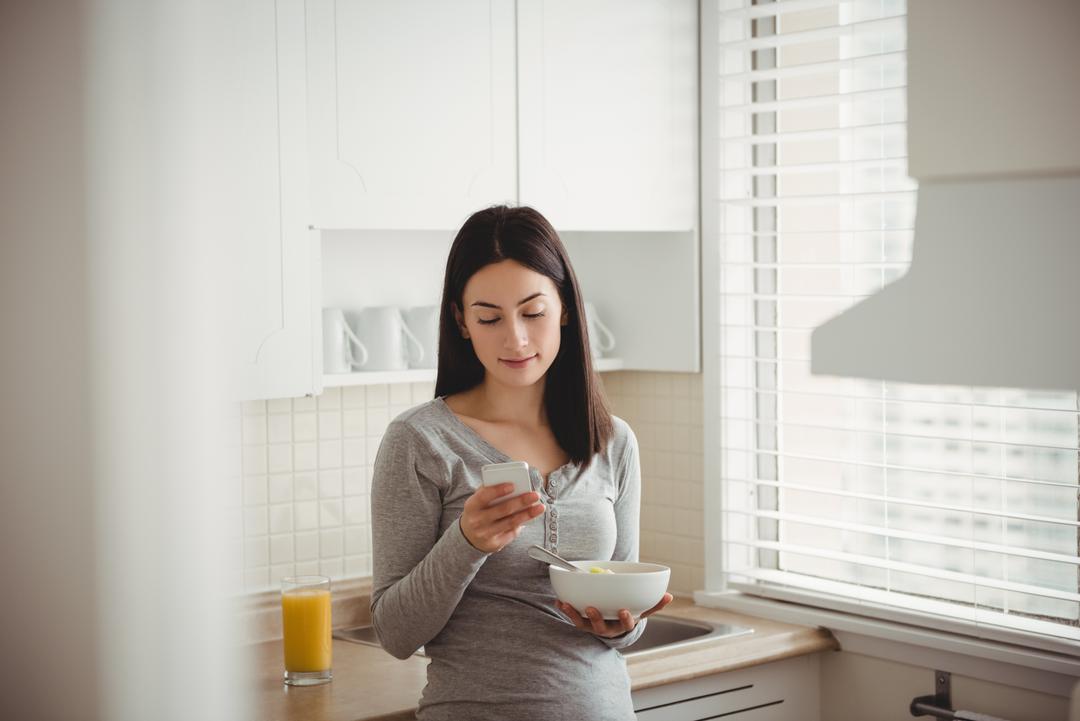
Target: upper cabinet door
{"x":608,"y":112}
{"x":276,"y":255}
{"x":412,"y":111}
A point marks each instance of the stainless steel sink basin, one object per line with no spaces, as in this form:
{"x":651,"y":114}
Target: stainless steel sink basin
{"x":661,"y":634}
{"x":666,"y":632}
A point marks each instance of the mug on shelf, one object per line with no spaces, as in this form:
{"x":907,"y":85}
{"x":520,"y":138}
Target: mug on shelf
{"x":338,"y":341}
{"x":601,"y":339}
{"x":423,"y":321}
{"x":390,"y":344}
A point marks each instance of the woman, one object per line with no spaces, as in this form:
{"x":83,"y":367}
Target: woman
{"x":515,"y":382}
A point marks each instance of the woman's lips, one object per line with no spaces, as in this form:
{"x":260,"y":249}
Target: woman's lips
{"x":517,"y":363}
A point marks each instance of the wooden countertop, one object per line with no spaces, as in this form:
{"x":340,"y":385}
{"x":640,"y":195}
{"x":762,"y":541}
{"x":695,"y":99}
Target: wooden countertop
{"x":368,"y":684}
{"x":371,"y":685}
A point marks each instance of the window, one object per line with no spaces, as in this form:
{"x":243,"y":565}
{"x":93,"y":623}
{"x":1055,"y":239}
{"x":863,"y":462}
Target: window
{"x":955,"y":505}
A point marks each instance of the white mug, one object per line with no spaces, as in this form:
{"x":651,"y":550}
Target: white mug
{"x":338,"y":339}
{"x":423,"y":321}
{"x":601,"y":339}
{"x":390,"y":344}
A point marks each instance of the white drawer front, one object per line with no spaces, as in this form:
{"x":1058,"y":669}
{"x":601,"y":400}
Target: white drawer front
{"x":780,"y":691}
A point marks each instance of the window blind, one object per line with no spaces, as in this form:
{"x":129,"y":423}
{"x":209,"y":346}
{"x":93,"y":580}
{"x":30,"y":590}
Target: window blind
{"x":952,"y":503}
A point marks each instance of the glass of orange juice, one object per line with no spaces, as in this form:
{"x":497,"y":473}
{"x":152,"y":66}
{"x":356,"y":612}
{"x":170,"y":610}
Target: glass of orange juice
{"x":305,"y":621}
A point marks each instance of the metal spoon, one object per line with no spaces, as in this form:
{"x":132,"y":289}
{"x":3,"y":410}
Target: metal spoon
{"x":542,"y":554}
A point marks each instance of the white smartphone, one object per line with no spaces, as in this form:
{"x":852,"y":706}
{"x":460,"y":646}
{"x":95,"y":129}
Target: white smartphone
{"x":516,"y":472}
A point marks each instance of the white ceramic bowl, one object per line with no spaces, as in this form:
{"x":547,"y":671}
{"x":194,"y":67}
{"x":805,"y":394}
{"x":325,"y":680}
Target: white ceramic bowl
{"x":637,"y":587}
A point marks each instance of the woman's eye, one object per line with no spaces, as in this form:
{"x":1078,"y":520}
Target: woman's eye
{"x":483,"y":321}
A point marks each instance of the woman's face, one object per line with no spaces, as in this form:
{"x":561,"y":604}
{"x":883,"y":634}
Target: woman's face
{"x":513,"y":316}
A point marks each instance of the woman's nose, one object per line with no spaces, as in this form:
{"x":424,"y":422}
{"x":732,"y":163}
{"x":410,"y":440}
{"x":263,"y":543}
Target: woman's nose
{"x":516,"y":337}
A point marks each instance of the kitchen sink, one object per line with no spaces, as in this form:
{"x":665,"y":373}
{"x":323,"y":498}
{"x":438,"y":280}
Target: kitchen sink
{"x":666,"y":632}
{"x":661,"y":634}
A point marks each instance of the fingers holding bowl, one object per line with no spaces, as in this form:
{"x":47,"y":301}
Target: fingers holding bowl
{"x":668,"y":598}
{"x":571,"y":613}
{"x":595,"y":623}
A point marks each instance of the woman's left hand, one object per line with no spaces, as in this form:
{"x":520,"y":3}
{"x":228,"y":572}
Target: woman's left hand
{"x":595,"y":623}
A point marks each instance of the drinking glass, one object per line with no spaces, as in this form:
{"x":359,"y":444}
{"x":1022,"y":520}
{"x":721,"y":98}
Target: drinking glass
{"x":305,"y":624}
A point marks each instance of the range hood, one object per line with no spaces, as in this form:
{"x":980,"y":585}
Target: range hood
{"x":992,"y":296}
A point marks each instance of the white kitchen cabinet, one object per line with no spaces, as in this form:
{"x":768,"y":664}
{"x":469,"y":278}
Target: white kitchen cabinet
{"x":412,"y":111}
{"x":421,"y":110}
{"x":607,"y":105}
{"x":275,"y":298}
{"x":785,"y":690}
{"x":369,"y":131}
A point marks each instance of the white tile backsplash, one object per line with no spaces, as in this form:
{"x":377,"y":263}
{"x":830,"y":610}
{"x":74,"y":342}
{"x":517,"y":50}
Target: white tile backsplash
{"x":666,"y":412}
{"x":281,"y":488}
{"x":329,"y":399}
{"x":307,"y":546}
{"x":307,"y":515}
{"x":305,"y":475}
{"x":305,"y":470}
{"x":330,"y":485}
{"x":305,"y":426}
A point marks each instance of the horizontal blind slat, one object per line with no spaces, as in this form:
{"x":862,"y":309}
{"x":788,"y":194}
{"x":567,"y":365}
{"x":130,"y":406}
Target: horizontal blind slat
{"x":900,"y":501}
{"x":786,"y":72}
{"x":796,"y":296}
{"x":893,"y":26}
{"x":774,"y":9}
{"x":912,"y":568}
{"x":828,"y":133}
{"x":818,"y":101}
{"x":795,"y":234}
{"x":883,"y":397}
{"x":895,"y":434}
{"x":892,"y":162}
{"x":891,"y":467}
{"x":838,"y":198}
{"x":887,"y":532}
{"x":817,"y":265}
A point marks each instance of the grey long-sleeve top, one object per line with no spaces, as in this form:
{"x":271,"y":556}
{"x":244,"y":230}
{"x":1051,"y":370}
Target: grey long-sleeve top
{"x":499,"y":648}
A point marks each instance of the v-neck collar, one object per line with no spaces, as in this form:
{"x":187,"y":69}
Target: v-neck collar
{"x":468,"y":430}
{"x":499,"y":456}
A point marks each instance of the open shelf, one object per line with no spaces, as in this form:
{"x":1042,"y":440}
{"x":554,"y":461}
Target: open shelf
{"x":420,"y":375}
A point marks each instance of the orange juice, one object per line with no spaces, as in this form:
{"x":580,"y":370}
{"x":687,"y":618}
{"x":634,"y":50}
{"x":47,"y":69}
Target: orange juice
{"x":305,"y":620}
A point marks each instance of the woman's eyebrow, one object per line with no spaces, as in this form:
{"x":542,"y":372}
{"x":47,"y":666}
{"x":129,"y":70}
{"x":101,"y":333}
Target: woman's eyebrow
{"x":492,"y":305}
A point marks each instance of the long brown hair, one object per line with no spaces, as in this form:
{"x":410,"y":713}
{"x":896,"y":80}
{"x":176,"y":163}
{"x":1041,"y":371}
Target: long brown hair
{"x":573,"y":397}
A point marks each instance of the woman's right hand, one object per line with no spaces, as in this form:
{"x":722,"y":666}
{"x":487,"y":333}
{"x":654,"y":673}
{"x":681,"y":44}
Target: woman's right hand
{"x":490,"y":529}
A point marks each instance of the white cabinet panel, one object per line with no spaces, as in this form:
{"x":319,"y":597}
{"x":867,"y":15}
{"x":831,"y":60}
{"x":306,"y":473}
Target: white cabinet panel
{"x":277,"y":254}
{"x":645,"y":287}
{"x":785,"y":690}
{"x":608,"y":113}
{"x":412,"y":121}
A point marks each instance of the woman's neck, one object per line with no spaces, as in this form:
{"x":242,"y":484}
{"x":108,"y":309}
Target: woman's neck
{"x":518,"y":404}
